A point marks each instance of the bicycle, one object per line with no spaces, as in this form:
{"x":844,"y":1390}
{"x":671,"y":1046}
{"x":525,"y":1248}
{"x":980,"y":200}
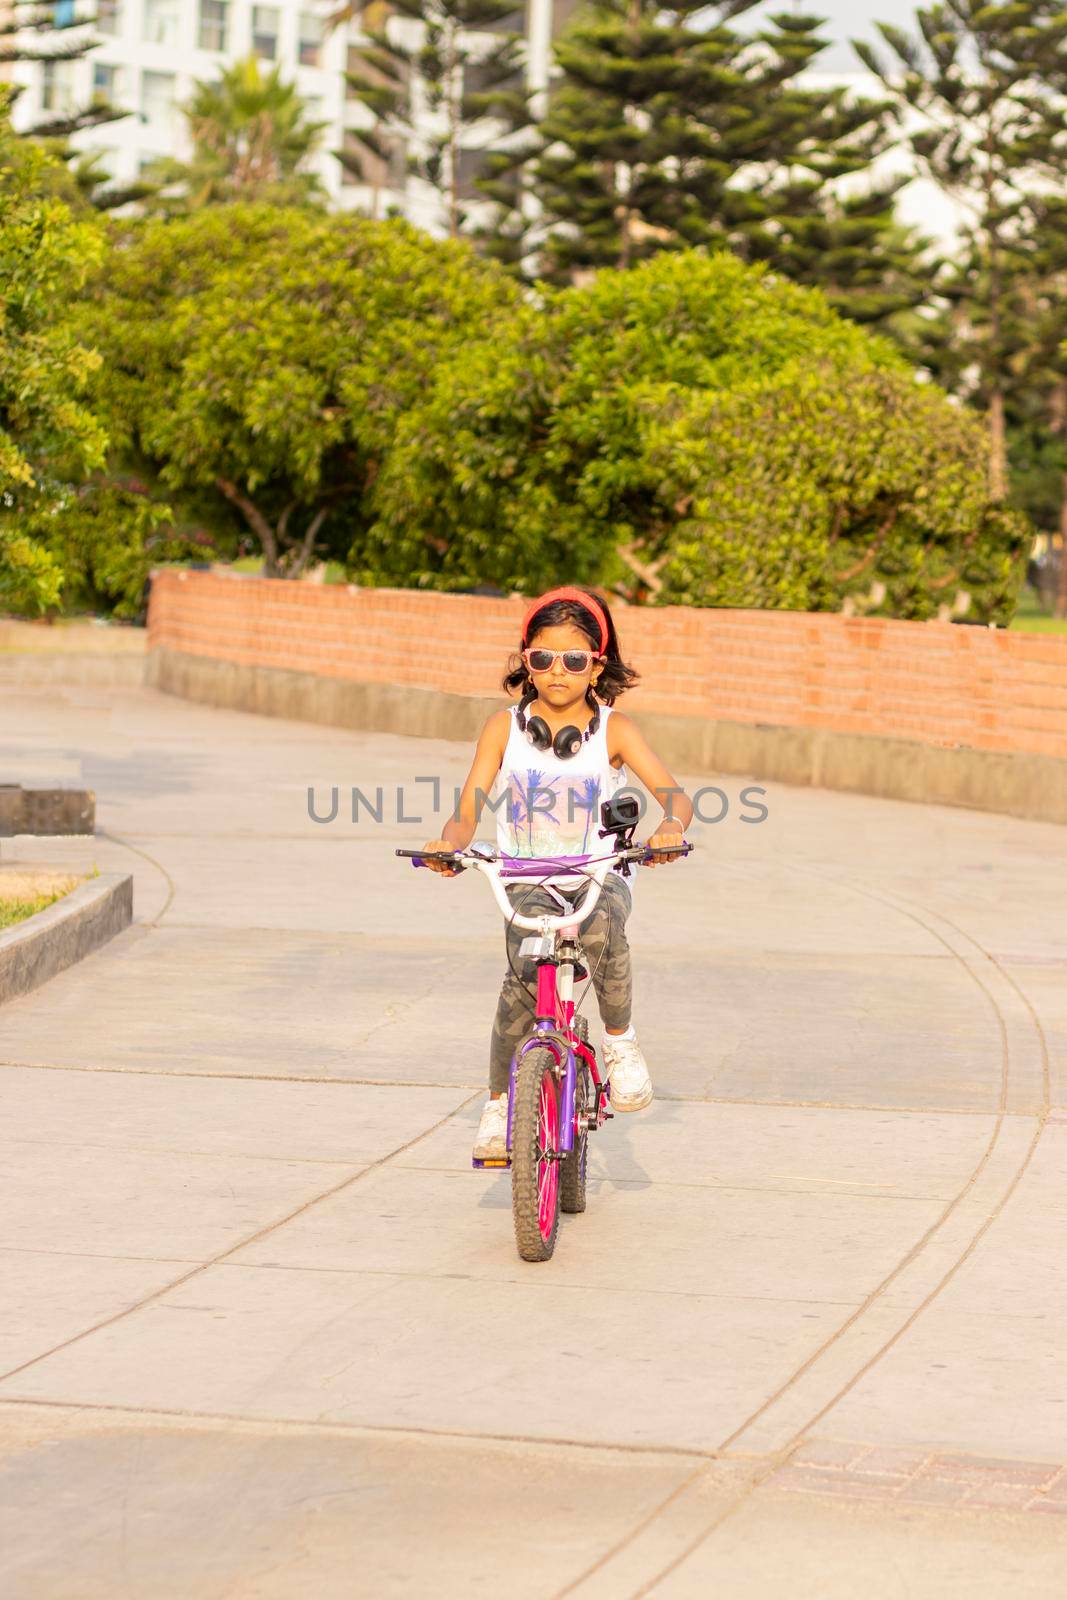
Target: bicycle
{"x":556,"y":1093}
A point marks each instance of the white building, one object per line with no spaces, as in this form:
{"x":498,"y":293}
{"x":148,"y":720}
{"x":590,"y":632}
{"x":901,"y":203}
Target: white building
{"x":151,"y":52}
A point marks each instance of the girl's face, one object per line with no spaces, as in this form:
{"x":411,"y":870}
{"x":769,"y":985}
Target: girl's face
{"x":557,"y":687}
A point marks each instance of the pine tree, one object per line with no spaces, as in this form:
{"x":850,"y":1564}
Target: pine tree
{"x":473,"y":92}
{"x":94,"y":186}
{"x":666,"y":131}
{"x":871,"y":267}
{"x":62,"y":31}
{"x":1036,"y":387}
{"x":979,"y":96}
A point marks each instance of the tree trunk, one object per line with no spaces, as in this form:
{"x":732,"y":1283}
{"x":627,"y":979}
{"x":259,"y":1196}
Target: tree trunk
{"x":1058,"y":428}
{"x":308,"y":543}
{"x":994,"y":363}
{"x":256,"y":521}
{"x":998,"y":451}
{"x":633,"y":19}
{"x":647,"y":571}
{"x":624,"y":237}
{"x":453,"y":138}
{"x":1061,"y":581}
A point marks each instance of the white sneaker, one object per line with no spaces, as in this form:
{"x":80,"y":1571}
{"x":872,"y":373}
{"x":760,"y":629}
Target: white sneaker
{"x":491,"y":1143}
{"x":627,"y":1070}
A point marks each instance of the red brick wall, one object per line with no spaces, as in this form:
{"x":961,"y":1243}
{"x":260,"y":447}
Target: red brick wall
{"x":939,"y":683}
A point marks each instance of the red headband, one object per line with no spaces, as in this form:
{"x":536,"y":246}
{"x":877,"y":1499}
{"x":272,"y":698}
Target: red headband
{"x":585,"y":600}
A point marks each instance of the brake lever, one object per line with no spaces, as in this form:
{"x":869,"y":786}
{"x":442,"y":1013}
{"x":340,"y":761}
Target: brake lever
{"x":423,"y":861}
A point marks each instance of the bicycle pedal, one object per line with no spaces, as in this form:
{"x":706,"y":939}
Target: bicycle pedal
{"x":495,"y":1162}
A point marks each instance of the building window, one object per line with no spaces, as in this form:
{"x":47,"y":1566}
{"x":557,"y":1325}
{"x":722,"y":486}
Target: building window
{"x":48,"y":86}
{"x":162,"y":21}
{"x":57,"y":89}
{"x":360,"y":66}
{"x":158,"y":92}
{"x":212,"y":34}
{"x":470,"y":166}
{"x":107,"y":16}
{"x":63,"y":14}
{"x":365,"y":166}
{"x":265,"y":31}
{"x":309,"y":48}
{"x":105,"y":81}
{"x":481,"y":78}
{"x":513,"y":22}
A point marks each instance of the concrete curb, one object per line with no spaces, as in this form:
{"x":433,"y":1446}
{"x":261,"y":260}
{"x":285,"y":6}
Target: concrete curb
{"x":1016,"y":784}
{"x":46,"y":811}
{"x":35,"y":950}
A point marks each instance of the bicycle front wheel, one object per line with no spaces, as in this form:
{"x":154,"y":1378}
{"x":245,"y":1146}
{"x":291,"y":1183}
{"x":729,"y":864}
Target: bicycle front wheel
{"x":535,"y":1156}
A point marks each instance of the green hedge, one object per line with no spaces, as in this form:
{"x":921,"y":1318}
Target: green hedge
{"x":693,"y":431}
{"x":739,"y":442}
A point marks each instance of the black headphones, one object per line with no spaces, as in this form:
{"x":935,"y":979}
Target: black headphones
{"x":568,"y":741}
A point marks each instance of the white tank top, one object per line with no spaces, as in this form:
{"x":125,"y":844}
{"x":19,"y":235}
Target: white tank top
{"x":552,"y":807}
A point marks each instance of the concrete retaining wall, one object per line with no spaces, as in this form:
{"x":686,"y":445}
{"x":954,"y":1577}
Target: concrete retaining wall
{"x":65,"y":666}
{"x":71,"y":652}
{"x":35,"y":950}
{"x":915,"y":711}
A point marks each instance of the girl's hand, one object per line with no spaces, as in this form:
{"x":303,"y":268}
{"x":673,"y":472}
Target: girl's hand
{"x":445,"y":868}
{"x":667,"y":834}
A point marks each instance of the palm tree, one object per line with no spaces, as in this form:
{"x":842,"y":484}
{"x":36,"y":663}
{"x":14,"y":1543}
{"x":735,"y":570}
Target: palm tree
{"x":251,"y":139}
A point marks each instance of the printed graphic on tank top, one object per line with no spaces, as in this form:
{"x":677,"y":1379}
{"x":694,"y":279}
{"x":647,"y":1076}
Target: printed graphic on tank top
{"x":552,"y":806}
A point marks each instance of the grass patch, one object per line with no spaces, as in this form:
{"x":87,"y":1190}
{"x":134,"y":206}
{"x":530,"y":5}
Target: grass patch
{"x":1031,"y":616}
{"x":1042,"y":624}
{"x":252,"y":567}
{"x":335,"y":570}
{"x":14,"y":911}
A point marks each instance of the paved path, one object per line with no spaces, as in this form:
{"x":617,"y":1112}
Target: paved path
{"x":265,"y":1334}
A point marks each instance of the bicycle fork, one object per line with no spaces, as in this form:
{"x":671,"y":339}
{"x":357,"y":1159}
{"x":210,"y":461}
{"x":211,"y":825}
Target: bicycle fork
{"x":553,"y":1016}
{"x":554,"y":1011}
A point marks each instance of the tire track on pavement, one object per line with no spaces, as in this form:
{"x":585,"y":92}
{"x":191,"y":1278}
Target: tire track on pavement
{"x":775,"y":1429}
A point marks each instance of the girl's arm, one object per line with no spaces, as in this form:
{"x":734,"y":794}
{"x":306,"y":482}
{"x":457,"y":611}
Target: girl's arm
{"x":625,"y":739}
{"x":457,"y":833}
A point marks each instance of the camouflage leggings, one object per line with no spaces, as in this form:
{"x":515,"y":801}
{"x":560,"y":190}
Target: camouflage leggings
{"x":607,"y":956}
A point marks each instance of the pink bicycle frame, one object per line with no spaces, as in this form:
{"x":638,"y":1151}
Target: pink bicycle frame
{"x":553,"y":1030}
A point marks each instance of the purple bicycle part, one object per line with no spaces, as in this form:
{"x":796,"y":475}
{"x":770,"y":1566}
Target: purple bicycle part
{"x":545,"y":1037}
{"x":538,"y":866}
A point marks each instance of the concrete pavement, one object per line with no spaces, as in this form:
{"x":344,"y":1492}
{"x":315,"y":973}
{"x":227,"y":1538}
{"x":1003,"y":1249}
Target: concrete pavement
{"x":266,"y":1334}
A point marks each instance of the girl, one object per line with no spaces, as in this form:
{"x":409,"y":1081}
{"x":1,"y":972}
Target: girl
{"x":553,"y":759}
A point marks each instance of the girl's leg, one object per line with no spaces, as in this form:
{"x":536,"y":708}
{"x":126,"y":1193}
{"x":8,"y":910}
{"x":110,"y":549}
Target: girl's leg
{"x":607,"y":953}
{"x":515,"y":1008}
{"x":604,"y":941}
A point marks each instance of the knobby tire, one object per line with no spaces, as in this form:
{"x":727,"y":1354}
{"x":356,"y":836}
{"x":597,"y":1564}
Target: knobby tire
{"x":535,"y":1183}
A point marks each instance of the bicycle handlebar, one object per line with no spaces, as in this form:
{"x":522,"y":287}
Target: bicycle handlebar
{"x":492,"y":866}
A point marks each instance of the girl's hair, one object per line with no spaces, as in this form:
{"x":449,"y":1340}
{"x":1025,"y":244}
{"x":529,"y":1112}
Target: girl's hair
{"x":615,"y":676}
